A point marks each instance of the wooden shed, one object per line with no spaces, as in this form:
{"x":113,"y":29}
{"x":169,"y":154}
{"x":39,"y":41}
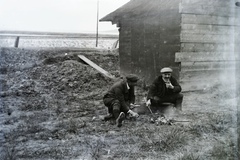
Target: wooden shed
{"x":197,"y":38}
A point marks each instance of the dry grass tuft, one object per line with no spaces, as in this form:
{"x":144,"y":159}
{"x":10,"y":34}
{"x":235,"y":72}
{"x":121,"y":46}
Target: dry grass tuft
{"x":190,"y":156}
{"x":9,"y":153}
{"x":222,"y":152}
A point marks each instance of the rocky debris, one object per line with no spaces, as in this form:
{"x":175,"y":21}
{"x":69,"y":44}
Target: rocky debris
{"x":162,"y":120}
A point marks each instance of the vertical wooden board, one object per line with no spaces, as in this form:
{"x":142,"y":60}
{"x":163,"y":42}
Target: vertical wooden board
{"x":170,"y":24}
{"x":137,"y":43}
{"x":167,"y":55}
{"x":125,"y":65}
{"x":151,"y":24}
{"x":125,"y":48}
{"x":169,"y":48}
{"x":153,"y":35}
{"x":135,"y":60}
{"x":168,"y":59}
{"x":149,"y":62}
{"x":169,"y":39}
{"x":151,"y":43}
{"x":141,"y":62}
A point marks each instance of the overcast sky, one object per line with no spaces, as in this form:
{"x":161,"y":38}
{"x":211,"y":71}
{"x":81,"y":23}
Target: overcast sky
{"x":56,"y":15}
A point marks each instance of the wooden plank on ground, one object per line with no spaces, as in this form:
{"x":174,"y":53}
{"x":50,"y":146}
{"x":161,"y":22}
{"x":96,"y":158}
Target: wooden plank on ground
{"x":209,"y":19}
{"x":205,"y":56}
{"x":96,"y":66}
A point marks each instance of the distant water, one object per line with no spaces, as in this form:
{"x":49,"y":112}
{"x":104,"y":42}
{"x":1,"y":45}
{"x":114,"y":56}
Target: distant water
{"x":113,"y":33}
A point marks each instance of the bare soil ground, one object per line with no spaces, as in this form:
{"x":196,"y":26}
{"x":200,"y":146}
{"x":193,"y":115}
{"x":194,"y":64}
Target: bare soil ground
{"x":51,"y":108}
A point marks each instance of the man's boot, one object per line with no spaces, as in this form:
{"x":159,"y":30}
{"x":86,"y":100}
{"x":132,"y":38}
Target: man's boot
{"x":108,"y":117}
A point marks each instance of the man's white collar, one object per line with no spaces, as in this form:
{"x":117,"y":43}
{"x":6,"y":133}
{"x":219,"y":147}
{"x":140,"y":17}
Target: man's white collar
{"x":166,"y":80}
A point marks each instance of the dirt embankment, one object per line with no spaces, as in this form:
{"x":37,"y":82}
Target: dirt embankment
{"x":51,"y":108}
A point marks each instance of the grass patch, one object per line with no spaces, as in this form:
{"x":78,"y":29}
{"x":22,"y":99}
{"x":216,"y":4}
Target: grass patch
{"x":95,"y":147}
{"x":198,"y":129}
{"x":9,"y":153}
{"x":190,"y":156}
{"x":166,"y":141}
{"x":222,"y":152}
{"x":215,"y":123}
{"x":169,"y":141}
{"x":219,"y":122}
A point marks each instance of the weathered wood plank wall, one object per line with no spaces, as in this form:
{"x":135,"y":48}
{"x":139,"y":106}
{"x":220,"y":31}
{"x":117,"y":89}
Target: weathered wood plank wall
{"x":210,"y":32}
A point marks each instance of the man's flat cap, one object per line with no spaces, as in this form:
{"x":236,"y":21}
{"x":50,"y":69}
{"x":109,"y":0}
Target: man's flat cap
{"x":132,"y":78}
{"x":166,"y":70}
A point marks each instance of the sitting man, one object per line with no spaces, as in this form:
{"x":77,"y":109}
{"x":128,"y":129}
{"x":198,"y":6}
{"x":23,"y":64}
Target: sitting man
{"x":119,"y":97}
{"x":165,"y":89}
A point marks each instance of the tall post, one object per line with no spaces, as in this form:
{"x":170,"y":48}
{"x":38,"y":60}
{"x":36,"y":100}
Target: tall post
{"x":16,"y":42}
{"x":97,"y":23}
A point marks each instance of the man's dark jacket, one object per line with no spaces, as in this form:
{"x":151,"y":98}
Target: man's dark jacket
{"x":120,"y":91}
{"x":158,"y":88}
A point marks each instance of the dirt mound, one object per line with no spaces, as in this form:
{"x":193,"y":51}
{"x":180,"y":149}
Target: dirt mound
{"x":46,"y":81}
{"x":56,"y":75}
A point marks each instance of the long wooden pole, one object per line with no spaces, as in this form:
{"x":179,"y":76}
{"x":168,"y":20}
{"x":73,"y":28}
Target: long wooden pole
{"x":97,"y":23}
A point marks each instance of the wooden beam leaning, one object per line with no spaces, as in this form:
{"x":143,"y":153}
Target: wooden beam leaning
{"x":95,"y":66}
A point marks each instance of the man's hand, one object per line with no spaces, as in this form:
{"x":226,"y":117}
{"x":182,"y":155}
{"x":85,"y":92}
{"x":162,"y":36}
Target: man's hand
{"x":133,"y":114}
{"x":169,"y":85}
{"x":148,"y":103}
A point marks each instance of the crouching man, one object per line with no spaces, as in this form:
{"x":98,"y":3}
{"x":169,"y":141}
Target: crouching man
{"x":119,"y":97}
{"x":165,"y":89}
